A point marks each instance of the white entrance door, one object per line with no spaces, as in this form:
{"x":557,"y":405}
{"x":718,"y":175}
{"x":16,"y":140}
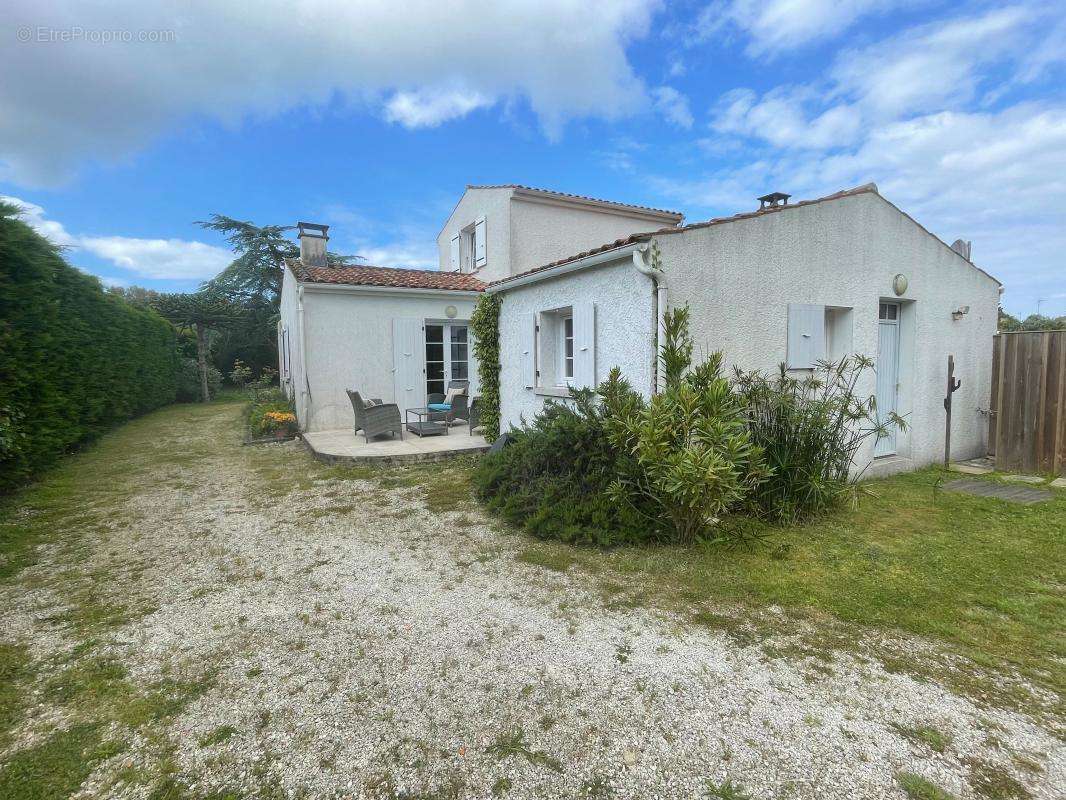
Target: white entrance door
{"x":407,"y":369}
{"x":887,"y":373}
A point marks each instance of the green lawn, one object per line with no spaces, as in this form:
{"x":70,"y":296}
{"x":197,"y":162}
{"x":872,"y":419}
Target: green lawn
{"x":985,"y":576}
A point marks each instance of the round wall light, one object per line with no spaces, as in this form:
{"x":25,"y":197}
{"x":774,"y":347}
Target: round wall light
{"x":450,"y":312}
{"x":899,"y":285}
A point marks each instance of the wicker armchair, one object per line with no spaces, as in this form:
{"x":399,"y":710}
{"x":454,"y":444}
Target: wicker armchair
{"x":460,"y":403}
{"x":375,"y":418}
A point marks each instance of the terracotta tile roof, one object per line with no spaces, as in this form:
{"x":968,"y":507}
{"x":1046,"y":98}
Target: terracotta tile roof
{"x":643,"y":237}
{"x":568,"y":196}
{"x":365,"y":275}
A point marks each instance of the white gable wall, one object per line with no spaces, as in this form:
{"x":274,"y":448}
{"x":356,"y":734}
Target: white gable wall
{"x":740,"y":277}
{"x":494,"y":206}
{"x":543,"y":231}
{"x":291,"y":380}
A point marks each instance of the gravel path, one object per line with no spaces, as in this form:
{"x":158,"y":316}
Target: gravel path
{"x":362,"y":645}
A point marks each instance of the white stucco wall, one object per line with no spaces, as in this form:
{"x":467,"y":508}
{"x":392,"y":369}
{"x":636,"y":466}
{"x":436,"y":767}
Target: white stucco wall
{"x":738,"y":279}
{"x":289,"y":320}
{"x":523,"y":232}
{"x":494,"y":205}
{"x":543,"y":232}
{"x":625,"y":325}
{"x":350,"y":345}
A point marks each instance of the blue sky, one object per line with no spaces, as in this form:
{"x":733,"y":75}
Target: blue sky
{"x":373,"y":116}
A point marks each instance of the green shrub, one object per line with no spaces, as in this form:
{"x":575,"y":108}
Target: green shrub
{"x":686,"y":455}
{"x":810,"y":430}
{"x":74,"y":360}
{"x":189,"y":381}
{"x":552,"y":480}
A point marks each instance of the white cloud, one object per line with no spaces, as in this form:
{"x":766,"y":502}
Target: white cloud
{"x":673,"y":106}
{"x":161,"y":259}
{"x":781,"y":118}
{"x":89,"y":101}
{"x":428,"y":108}
{"x":984,"y":176}
{"x":776,"y":25}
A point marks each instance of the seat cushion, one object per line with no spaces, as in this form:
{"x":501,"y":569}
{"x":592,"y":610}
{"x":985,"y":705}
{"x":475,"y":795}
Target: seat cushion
{"x":440,"y":406}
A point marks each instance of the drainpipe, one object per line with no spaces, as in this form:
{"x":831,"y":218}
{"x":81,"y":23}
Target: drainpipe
{"x":658,"y":278}
{"x":304,"y":393}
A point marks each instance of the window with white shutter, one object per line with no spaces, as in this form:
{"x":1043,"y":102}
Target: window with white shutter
{"x":806,"y":335}
{"x":455,"y":253}
{"x":584,"y":345}
{"x":479,"y":243}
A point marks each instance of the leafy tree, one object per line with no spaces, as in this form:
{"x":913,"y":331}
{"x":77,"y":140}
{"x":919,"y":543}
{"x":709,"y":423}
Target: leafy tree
{"x":134,"y":295}
{"x":253,"y":282}
{"x":200,"y":312}
{"x":1034,"y":322}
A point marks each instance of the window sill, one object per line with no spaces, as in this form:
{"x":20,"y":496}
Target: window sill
{"x":552,"y":391}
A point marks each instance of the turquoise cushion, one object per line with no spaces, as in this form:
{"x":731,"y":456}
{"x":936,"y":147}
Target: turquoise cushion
{"x":441,"y":406}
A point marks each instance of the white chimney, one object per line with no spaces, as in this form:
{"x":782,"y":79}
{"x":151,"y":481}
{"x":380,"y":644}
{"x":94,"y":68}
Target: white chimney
{"x":962,"y":248}
{"x":313,"y":240}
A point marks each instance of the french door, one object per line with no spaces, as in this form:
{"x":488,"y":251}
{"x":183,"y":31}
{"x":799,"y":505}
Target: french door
{"x":887,"y":374}
{"x":447,"y":355}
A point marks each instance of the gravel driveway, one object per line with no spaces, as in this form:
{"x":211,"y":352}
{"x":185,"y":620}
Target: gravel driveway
{"x":356,"y":641}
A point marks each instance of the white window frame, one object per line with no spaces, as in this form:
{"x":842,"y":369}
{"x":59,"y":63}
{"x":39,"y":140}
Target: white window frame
{"x":446,"y":346}
{"x":566,"y":377}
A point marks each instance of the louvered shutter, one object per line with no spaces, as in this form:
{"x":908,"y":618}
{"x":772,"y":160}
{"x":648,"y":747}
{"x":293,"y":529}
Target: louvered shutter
{"x":479,"y":242}
{"x":806,"y":335}
{"x":585,"y":345}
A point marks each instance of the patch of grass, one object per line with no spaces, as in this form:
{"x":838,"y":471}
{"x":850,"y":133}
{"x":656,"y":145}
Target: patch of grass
{"x":927,"y":735}
{"x":55,"y":768}
{"x":218,"y":735}
{"x":502,"y":786}
{"x":918,"y":788}
{"x":16,"y":670}
{"x":727,"y":791}
{"x":513,"y":743}
{"x":87,"y":682}
{"x":985,"y":577}
{"x":739,"y":630}
{"x":555,"y":560}
{"x":994,"y":782}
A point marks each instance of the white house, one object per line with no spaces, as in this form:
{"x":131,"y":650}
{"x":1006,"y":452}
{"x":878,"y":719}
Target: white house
{"x":789,"y":282}
{"x":400,"y":334}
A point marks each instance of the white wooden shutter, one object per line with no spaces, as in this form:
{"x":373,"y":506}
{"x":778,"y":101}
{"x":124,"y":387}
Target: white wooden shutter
{"x":455,"y":252}
{"x":585,"y":345}
{"x":479,"y":242}
{"x":529,"y":352}
{"x":408,"y":356}
{"x":806,"y":335}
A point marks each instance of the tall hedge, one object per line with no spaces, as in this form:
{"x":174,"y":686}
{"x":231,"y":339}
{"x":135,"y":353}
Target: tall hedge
{"x":74,"y":360}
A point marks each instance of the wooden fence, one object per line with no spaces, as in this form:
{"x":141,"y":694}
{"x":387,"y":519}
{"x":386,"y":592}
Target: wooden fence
{"x":1027,"y":432}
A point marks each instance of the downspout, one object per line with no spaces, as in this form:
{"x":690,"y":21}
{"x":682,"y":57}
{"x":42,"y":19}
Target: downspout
{"x":658,"y":278}
{"x":305,"y":390}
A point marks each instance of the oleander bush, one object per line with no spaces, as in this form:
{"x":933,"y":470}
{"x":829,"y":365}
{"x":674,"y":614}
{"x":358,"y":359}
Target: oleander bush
{"x":810,"y":429}
{"x":74,"y":360}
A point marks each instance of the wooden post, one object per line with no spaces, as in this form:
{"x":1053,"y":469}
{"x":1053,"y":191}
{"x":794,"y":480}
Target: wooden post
{"x":953,"y":386}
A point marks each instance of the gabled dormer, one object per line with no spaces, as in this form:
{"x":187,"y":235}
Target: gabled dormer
{"x":498,"y":231}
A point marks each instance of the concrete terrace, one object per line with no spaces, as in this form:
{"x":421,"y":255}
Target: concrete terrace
{"x":342,"y":446}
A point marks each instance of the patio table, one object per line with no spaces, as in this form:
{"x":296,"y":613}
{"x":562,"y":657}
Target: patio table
{"x":427,"y":422}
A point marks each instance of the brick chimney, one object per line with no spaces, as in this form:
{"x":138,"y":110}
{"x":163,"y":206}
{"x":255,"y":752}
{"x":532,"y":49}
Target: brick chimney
{"x":313,"y":240}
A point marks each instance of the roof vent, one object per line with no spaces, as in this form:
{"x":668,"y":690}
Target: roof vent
{"x":313,"y":240}
{"x":962,"y":248}
{"x":773,"y":200}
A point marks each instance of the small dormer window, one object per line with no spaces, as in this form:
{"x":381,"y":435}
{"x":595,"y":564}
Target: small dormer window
{"x":469,"y":249}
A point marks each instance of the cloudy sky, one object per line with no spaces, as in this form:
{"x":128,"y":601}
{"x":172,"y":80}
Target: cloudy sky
{"x":122,"y":124}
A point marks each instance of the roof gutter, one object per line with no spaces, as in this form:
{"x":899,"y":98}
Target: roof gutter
{"x":358,"y":288}
{"x":577,"y":265}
